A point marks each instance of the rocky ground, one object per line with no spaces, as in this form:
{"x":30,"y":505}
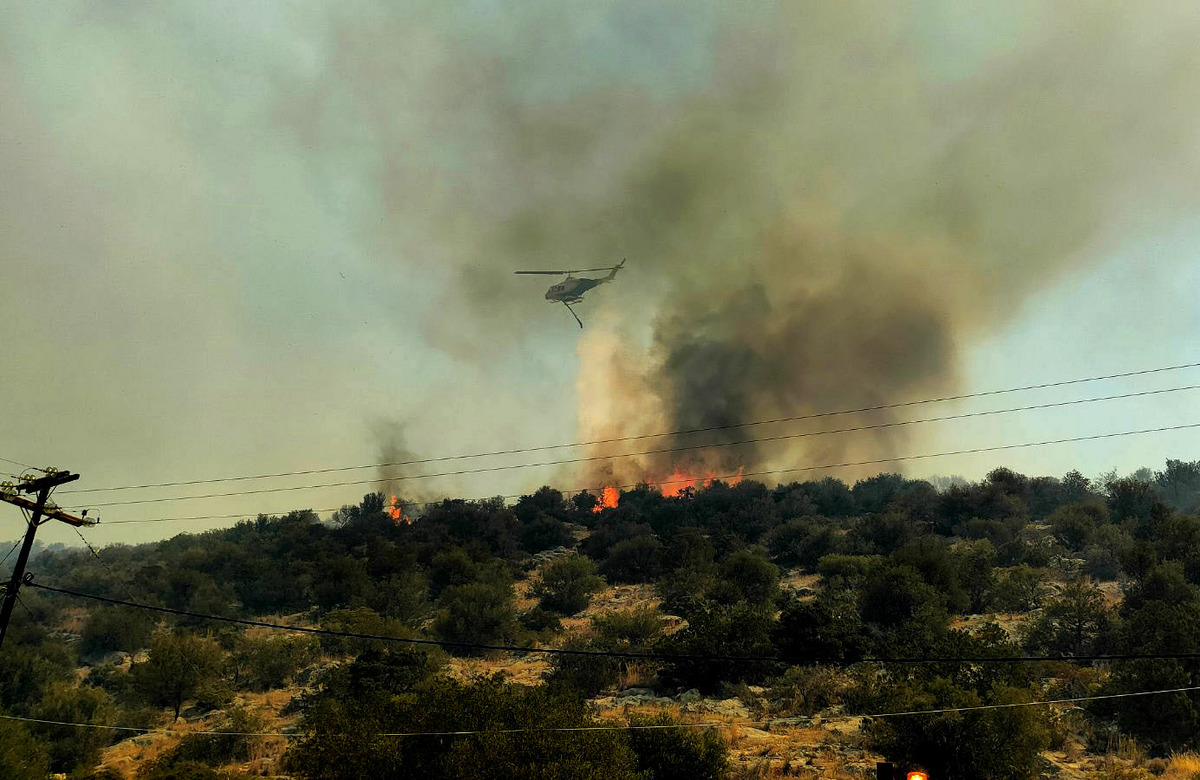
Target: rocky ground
{"x":829,"y":745}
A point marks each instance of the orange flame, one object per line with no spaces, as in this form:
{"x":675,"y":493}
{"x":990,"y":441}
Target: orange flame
{"x":681,"y":481}
{"x":396,"y":512}
{"x":676,"y":484}
{"x":608,"y":499}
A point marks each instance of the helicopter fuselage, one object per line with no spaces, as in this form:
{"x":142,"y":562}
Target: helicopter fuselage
{"x":571,"y":289}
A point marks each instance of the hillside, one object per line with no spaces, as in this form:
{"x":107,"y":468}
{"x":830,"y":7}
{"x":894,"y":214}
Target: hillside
{"x":790,"y":620}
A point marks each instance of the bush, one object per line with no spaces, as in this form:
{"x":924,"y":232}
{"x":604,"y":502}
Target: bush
{"x":108,"y":629}
{"x":801,"y":542}
{"x":999,"y":744}
{"x":237,"y":744}
{"x":847,"y":568}
{"x":747,"y":576}
{"x":1074,"y":524}
{"x":635,"y":627}
{"x":341,"y":738}
{"x":359,"y":621}
{"x":807,"y":690}
{"x":1020,"y":590}
{"x":726,"y":631}
{"x":634,"y":560}
{"x":585,"y":675}
{"x":682,"y":753}
{"x":21,"y":756}
{"x":178,"y":668}
{"x":374,"y":672}
{"x":826,"y":629}
{"x":479,"y":613}
{"x":566,"y":584}
{"x":539,"y":620}
{"x":270,"y":662}
{"x":545,"y":533}
{"x":72,"y":747}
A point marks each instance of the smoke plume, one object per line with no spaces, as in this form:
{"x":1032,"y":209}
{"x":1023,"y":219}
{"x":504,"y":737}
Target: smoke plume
{"x":823,"y":204}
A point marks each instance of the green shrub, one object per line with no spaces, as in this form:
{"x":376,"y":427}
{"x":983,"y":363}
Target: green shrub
{"x":683,"y":753}
{"x":237,"y":744}
{"x":566,"y":584}
{"x":22,"y":757}
{"x":637,"y":627}
{"x":539,"y":620}
{"x":109,"y":628}
{"x":479,"y":613}
{"x":998,"y":744}
{"x":634,"y":560}
{"x":260,"y":664}
{"x":341,"y":738}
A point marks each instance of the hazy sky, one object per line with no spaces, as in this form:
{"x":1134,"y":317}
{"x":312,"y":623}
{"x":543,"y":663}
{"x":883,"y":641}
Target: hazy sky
{"x":242,"y":238}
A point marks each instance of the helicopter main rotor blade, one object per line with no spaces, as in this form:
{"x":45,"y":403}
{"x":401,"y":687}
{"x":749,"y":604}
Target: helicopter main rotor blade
{"x":574,"y":271}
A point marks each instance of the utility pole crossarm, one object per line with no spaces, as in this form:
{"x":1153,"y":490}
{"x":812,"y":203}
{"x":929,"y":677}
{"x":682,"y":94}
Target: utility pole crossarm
{"x":41,"y":486}
{"x":52,"y":514}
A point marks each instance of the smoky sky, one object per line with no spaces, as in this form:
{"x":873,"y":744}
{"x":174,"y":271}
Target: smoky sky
{"x":236,"y":235}
{"x":825,"y":211}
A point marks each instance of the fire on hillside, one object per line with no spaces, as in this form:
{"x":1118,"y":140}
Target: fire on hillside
{"x":677,"y":484}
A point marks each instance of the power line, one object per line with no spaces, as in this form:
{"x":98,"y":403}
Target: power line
{"x":877,"y":461}
{"x":111,"y":573}
{"x":682,"y":432}
{"x":19,"y":463}
{"x":618,"y":653}
{"x":16,"y":544}
{"x":628,"y":726}
{"x":223,"y":517}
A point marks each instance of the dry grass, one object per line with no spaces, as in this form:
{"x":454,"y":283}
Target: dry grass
{"x":1183,"y":766}
{"x":635,"y":675}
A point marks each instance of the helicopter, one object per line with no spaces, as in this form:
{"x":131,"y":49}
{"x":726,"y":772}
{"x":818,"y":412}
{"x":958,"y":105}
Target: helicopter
{"x":571,"y":289}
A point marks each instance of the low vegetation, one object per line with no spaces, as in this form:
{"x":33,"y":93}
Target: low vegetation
{"x":787,"y":600}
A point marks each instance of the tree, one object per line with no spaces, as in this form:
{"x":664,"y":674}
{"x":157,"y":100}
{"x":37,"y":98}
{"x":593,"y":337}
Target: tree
{"x":544,"y":533}
{"x":676,"y":753}
{"x":360,"y":620}
{"x":566,"y":584}
{"x":343,"y":581}
{"x":21,"y":756}
{"x":1160,"y":614}
{"x":828,"y":627}
{"x":999,"y":744}
{"x":341,"y":737}
{"x":178,"y":666}
{"x":728,"y":631}
{"x":1074,"y":524}
{"x":1179,"y":482}
{"x":479,"y":613}
{"x":451,"y":567}
{"x":109,"y":628}
{"x":1021,"y":590}
{"x":894,"y":595}
{"x":634,"y":560}
{"x":72,"y":747}
{"x":1077,"y":622}
{"x":801,"y":542}
{"x":261,"y":664}
{"x":747,"y":576}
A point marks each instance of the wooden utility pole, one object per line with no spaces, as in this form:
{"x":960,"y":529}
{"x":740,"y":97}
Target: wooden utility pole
{"x":42,"y":513}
